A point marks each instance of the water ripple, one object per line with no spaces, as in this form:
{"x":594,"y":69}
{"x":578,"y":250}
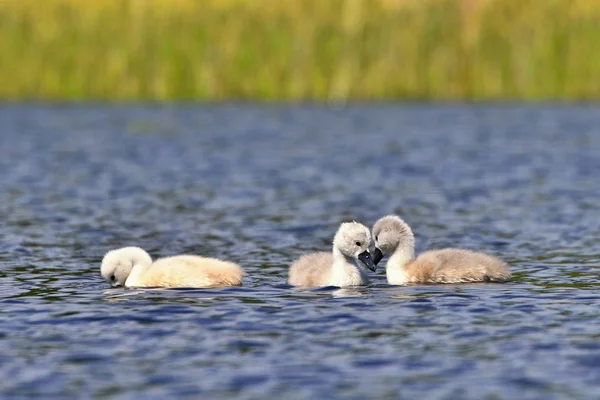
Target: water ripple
{"x":261,"y":186}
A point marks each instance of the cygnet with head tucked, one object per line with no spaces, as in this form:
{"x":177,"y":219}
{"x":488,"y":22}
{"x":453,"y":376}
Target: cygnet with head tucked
{"x":133,"y":267}
{"x":340,"y":267}
{"x":393,"y":236}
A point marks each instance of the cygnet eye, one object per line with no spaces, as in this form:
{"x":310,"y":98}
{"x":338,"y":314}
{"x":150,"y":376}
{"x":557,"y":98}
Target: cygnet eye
{"x":358,"y":244}
{"x":112,"y":278}
{"x":376,"y":238}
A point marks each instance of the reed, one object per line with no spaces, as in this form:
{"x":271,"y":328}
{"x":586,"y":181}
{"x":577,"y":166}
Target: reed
{"x":299,"y":49}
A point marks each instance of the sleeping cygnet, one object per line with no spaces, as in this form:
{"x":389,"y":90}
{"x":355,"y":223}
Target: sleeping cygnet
{"x":133,"y":267}
{"x":393,"y":236}
{"x":340,"y":267}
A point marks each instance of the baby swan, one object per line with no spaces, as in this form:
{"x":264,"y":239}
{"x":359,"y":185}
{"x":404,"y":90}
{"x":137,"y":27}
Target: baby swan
{"x":133,"y":267}
{"x":393,"y":236}
{"x":338,"y":268}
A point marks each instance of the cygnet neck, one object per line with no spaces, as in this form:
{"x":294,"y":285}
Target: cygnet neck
{"x":341,"y":258}
{"x":136,"y":274}
{"x":344,"y":271}
{"x":404,"y":253}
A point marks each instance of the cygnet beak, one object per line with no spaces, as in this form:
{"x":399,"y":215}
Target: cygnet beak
{"x":112,"y":281}
{"x":365,"y":258}
{"x":377,"y":255}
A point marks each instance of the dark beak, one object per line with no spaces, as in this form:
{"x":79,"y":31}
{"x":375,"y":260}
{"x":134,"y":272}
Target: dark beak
{"x":365,"y":258}
{"x":377,"y":256}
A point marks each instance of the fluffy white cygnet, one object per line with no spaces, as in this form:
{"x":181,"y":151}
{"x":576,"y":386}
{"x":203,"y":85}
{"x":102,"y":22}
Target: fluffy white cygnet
{"x":133,"y":267}
{"x":340,"y":267}
{"x":393,"y":236}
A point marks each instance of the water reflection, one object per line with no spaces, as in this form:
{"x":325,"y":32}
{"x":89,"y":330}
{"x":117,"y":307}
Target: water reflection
{"x":349,"y":292}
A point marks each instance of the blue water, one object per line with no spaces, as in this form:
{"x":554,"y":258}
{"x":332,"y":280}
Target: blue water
{"x":261,"y":186}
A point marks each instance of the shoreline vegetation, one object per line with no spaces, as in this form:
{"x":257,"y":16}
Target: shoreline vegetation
{"x":300,"y":50}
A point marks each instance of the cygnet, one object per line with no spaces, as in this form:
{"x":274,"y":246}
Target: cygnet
{"x":133,"y":267}
{"x":340,"y":267}
{"x":393,"y":236}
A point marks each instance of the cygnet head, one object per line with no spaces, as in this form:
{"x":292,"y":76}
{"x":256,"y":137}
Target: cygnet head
{"x":353,"y":240}
{"x":117,"y":264}
{"x":390,"y":232}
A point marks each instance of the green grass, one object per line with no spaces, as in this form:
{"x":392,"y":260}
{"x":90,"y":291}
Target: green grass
{"x":300,"y":49}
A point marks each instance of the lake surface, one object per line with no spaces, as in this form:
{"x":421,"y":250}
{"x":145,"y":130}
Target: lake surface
{"x":263,"y":185}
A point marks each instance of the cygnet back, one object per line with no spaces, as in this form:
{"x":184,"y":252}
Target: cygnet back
{"x":311,"y":270}
{"x":456,"y":266}
{"x":192,"y":271}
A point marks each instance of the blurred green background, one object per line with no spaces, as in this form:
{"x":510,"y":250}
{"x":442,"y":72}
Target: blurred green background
{"x":300,"y":49}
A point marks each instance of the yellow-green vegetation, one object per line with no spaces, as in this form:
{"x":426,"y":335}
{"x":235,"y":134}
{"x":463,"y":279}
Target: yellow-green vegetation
{"x":299,"y":49}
